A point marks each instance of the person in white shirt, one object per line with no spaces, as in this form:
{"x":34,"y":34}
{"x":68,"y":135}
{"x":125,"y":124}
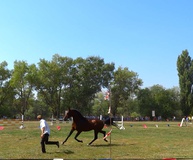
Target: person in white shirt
{"x":45,"y":132}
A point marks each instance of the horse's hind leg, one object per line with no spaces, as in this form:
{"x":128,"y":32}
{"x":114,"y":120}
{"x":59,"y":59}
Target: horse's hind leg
{"x":104,"y":134}
{"x":95,"y":137}
{"x":77,"y":134}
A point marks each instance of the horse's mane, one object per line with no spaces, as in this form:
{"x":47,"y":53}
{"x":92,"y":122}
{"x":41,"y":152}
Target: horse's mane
{"x":79,"y":114}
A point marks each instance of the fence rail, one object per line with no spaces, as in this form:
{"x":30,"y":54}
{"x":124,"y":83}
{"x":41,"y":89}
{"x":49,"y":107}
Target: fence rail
{"x":9,"y":122}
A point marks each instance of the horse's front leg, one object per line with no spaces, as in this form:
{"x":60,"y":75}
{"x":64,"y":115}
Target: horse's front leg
{"x":72,"y":130}
{"x":95,"y":137}
{"x":77,"y":134}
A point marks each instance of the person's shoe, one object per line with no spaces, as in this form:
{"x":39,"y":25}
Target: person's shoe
{"x":58,"y":144}
{"x":44,"y":152}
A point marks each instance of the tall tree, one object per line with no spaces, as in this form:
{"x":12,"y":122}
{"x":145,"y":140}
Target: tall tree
{"x":146,"y":102}
{"x":185,"y":73}
{"x":53,"y":80}
{"x":22,"y":80}
{"x":126,"y":84}
{"x":6,"y":91}
{"x":88,"y":77}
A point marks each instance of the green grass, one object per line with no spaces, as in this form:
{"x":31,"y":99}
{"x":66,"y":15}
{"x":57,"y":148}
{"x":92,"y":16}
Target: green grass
{"x":134,"y":142}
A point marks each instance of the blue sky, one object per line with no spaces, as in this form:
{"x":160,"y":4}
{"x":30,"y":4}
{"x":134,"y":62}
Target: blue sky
{"x":147,"y":36}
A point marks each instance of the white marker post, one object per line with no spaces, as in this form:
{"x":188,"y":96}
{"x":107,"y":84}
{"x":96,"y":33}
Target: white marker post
{"x":22,"y":119}
{"x":182,"y":122}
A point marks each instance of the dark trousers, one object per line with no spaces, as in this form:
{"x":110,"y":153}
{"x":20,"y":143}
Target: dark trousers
{"x":44,"y":141}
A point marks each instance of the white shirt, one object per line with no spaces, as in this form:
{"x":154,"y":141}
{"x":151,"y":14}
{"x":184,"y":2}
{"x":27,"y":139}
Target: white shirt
{"x":43,"y":123}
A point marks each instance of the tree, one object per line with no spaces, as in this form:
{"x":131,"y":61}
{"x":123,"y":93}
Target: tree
{"x":185,"y":73}
{"x":100,"y":105}
{"x":22,"y":80}
{"x":146,"y":102}
{"x":88,"y":76}
{"x":125,"y":85}
{"x":174,"y":94}
{"x":165,"y":102}
{"x":53,"y":79}
{"x":6,"y":91}
{"x":66,"y":83}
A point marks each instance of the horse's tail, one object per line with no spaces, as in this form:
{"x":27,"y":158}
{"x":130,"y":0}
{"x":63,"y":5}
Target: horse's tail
{"x":110,"y":121}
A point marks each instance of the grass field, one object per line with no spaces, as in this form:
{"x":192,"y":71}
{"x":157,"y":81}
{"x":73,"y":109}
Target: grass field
{"x":168,"y":140}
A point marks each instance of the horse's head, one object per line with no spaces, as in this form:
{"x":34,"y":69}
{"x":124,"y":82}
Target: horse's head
{"x":73,"y":113}
{"x":68,"y":114}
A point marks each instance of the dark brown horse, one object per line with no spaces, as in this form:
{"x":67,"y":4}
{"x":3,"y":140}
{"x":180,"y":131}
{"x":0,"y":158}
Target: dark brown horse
{"x":81,"y":124}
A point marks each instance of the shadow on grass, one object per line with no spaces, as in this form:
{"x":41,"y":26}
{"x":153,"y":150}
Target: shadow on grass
{"x":113,"y":145}
{"x":106,"y":145}
{"x":64,"y":151}
{"x":68,"y":152}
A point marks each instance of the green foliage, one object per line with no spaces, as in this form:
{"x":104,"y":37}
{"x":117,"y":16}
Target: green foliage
{"x":125,"y":85}
{"x":185,"y":70}
{"x":134,"y":115}
{"x":100,"y":106}
{"x":145,"y":101}
{"x":66,"y":83}
{"x":22,"y":81}
{"x":52,"y":81}
{"x":6,"y":91}
{"x":53,"y":86}
{"x":163,"y":101}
